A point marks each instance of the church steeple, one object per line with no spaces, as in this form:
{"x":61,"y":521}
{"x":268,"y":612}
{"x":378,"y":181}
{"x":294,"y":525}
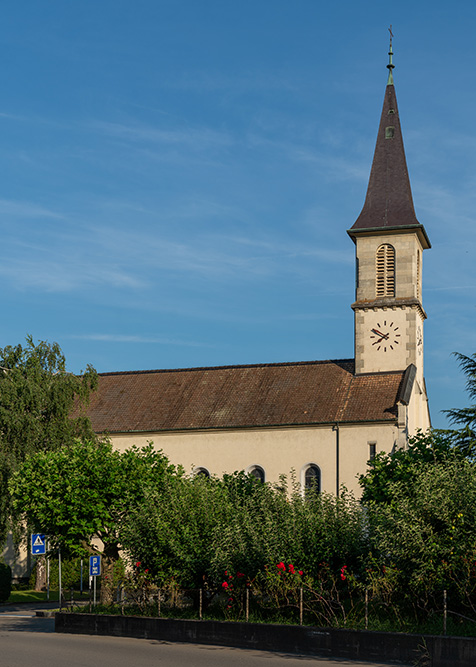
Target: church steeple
{"x":389,"y":202}
{"x":389,"y":241}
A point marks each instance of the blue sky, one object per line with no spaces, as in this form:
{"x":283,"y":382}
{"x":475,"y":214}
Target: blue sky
{"x":178,"y":176}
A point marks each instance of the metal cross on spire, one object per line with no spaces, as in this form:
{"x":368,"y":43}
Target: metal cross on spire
{"x":390,"y":65}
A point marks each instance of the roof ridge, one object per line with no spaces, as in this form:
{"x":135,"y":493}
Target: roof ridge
{"x":230,"y":366}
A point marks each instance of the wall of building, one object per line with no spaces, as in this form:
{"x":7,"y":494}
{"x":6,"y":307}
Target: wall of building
{"x":340,"y":452}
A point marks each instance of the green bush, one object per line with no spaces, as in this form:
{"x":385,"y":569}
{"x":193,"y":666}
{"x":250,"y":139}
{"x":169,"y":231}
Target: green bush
{"x":5,"y":582}
{"x":70,"y":573}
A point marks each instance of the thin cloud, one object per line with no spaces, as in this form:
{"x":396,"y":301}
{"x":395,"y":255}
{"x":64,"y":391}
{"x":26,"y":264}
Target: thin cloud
{"x":136,"y":339}
{"x":195,"y":138}
{"x":22,"y":209}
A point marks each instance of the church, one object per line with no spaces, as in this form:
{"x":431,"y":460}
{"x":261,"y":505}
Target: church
{"x":323,"y":420}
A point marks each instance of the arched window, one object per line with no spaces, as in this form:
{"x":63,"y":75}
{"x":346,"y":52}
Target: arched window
{"x":257,"y":472}
{"x":202,"y":472}
{"x":385,"y":271}
{"x":312,"y":479}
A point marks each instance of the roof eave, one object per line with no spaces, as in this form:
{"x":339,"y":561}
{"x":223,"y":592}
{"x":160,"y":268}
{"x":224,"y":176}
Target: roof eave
{"x":419,"y":230}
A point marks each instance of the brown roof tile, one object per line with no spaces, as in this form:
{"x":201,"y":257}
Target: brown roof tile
{"x":315,"y":392}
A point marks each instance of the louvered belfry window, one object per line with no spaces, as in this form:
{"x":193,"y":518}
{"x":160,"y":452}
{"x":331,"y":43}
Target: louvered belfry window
{"x":385,"y":271}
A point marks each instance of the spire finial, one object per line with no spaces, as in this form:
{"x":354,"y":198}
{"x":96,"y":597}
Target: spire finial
{"x":390,"y":65}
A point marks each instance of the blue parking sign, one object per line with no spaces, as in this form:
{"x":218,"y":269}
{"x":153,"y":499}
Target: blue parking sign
{"x":94,"y":566}
{"x":38,"y":544}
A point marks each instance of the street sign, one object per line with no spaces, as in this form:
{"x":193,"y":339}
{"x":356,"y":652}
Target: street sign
{"x":94,"y":566}
{"x":38,"y":544}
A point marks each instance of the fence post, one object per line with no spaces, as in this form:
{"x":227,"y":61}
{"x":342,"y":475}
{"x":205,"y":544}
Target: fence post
{"x":247,"y":604}
{"x":445,"y":611}
{"x":300,"y":606}
{"x":366,"y":608}
{"x":200,"y":604}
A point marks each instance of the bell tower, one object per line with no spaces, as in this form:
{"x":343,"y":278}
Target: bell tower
{"x":389,"y":242}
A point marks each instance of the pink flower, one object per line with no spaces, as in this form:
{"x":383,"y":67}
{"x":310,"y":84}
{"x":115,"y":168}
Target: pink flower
{"x":225,"y":584}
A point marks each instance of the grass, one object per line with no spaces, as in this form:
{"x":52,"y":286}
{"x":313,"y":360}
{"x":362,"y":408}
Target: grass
{"x":41,"y":596}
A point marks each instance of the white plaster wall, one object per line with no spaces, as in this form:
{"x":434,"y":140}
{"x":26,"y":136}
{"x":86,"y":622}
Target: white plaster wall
{"x":277,"y":451}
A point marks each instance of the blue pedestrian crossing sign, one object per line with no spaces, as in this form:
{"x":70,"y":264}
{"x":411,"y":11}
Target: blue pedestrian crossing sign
{"x":38,"y":544}
{"x":94,"y":566}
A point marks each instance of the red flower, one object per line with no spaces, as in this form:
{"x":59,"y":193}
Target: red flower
{"x":240,"y":575}
{"x":342,"y":573}
{"x":146,"y":570}
{"x":291,"y":568}
{"x":138,"y":563}
{"x":226,"y":571}
{"x":225,"y":584}
{"x":281,"y":566}
{"x":300,"y":572}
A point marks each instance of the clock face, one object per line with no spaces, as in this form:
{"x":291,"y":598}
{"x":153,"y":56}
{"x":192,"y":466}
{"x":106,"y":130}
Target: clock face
{"x":386,"y":336}
{"x":419,"y":339}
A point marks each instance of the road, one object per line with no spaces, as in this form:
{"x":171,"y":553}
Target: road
{"x":28,"y":640}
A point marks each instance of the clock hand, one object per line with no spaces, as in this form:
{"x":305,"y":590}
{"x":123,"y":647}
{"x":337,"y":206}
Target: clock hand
{"x":379,"y":333}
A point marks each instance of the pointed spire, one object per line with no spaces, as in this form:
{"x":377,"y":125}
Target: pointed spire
{"x":389,"y":203}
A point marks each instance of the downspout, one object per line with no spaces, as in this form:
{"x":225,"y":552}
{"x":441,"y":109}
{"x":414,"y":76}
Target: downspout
{"x":336,"y":429}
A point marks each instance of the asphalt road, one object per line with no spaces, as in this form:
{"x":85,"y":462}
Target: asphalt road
{"x":27,"y":640}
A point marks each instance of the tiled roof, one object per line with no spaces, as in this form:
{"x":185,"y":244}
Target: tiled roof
{"x":315,"y":392}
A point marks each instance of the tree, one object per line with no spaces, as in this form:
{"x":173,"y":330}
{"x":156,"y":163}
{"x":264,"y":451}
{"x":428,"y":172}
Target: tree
{"x":466,"y":416}
{"x":37,"y":398}
{"x":386,"y":470}
{"x":425,"y":541}
{"x":87,"y":491}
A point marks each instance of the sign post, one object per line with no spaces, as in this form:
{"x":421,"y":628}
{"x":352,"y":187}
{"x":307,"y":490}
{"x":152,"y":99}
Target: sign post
{"x":94,"y":571}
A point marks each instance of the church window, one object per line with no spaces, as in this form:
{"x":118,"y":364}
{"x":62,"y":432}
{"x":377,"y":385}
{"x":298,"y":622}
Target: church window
{"x":385,"y":271}
{"x":372,"y":450}
{"x":257,"y":472}
{"x":389,"y":132}
{"x":312,"y":479}
{"x":202,"y":472}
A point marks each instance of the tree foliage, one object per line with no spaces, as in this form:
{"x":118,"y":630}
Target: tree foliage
{"x":425,"y":541}
{"x":398,"y":467}
{"x":37,"y":398}
{"x":466,"y":416}
{"x":87,"y":490}
{"x":197,"y":528}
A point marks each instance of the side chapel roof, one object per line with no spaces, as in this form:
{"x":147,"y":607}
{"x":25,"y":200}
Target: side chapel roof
{"x":284,"y":394}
